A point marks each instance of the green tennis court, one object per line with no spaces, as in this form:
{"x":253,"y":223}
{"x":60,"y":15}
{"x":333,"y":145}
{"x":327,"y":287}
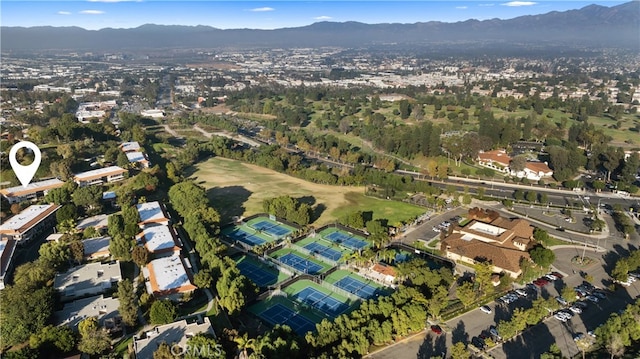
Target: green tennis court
{"x":261,"y":274}
{"x":345,"y":239}
{"x":300,"y":262}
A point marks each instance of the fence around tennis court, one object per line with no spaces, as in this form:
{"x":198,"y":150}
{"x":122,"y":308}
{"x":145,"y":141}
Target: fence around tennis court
{"x":312,"y":254}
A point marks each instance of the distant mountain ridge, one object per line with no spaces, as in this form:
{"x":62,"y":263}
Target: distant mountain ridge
{"x":591,"y":26}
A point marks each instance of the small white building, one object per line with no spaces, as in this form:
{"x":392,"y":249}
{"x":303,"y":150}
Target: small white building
{"x":138,"y":158}
{"x":95,"y":248}
{"x":152,"y":213}
{"x":130,"y":146}
{"x":99,"y":222}
{"x":92,"y":278}
{"x":153,"y":113}
{"x":100,"y":176}
{"x":34,"y":190}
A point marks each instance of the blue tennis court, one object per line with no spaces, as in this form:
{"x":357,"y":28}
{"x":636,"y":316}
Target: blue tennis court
{"x":346,"y":240}
{"x":246,"y":237}
{"x":301,"y":264}
{"x":359,"y":288}
{"x":259,"y":276}
{"x":271,"y":228}
{"x":324,"y":251}
{"x":279,"y":314}
{"x":321,"y":301}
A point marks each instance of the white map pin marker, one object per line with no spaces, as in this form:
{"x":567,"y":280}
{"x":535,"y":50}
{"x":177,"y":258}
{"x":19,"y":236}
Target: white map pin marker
{"x":25,"y":173}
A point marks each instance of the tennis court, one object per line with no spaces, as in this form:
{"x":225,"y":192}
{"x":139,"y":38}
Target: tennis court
{"x":324,"y":251}
{"x":279,"y":314}
{"x":274,"y":229}
{"x":321,"y":301}
{"x":261,"y":277}
{"x":241,"y":235}
{"x":354,"y":286}
{"x":346,"y":240}
{"x":300,"y":263}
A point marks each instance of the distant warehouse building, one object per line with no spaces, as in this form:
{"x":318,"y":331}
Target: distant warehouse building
{"x":100,"y":176}
{"x":27,"y":224}
{"x":34,"y":190}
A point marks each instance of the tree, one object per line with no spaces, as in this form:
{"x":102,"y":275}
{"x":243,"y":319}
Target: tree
{"x":120,"y":247}
{"x":466,"y":294}
{"x":54,"y":254}
{"x":61,"y":338}
{"x":77,"y":251}
{"x":244,"y":343}
{"x":140,"y":256}
{"x":405,"y":109}
{"x":89,"y":196}
{"x":459,"y":351}
{"x":583,"y":344}
{"x":163,"y":352}
{"x":163,"y":312}
{"x":568,"y":294}
{"x":438,"y":301}
{"x":115,"y":225}
{"x":531,"y":196}
{"x":122,"y":160}
{"x":203,"y":279}
{"x":518,"y":163}
{"x":614,"y":345}
{"x":484,"y":270}
{"x":128,"y":307}
{"x":66,"y":212}
{"x":542,"y":256}
{"x":95,"y":342}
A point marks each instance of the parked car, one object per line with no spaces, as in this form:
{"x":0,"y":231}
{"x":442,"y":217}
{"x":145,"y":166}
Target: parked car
{"x":478,"y":343}
{"x":436,"y":329}
{"x":550,"y":277}
{"x":557,"y":275}
{"x":578,"y":336}
{"x":582,"y":305}
{"x":599,"y":295}
{"x":486,"y":309}
{"x":575,"y":309}
{"x":593,"y":298}
{"x":521,"y":292}
{"x":560,"y":317}
{"x":562,"y":300}
{"x":591,"y":334}
{"x":494,"y":332}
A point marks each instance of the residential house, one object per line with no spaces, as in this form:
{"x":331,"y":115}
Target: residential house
{"x":99,"y":222}
{"x":29,"y":223}
{"x":88,"y":279}
{"x":489,"y":237}
{"x":176,"y":333}
{"x":33,"y":190}
{"x":100,"y":176}
{"x":138,"y":158}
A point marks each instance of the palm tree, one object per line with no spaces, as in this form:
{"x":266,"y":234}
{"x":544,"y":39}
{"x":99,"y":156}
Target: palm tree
{"x":244,"y":343}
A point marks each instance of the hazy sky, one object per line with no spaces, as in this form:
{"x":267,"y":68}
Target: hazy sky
{"x":97,"y":14}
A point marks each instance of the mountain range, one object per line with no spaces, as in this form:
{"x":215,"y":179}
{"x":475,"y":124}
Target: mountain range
{"x":593,"y":26}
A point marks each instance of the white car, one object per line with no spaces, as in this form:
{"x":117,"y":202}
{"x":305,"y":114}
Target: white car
{"x":575,"y":309}
{"x":486,"y":309}
{"x":521,"y":292}
{"x":560,"y":317}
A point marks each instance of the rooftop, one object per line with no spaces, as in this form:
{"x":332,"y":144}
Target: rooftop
{"x":135,"y":156}
{"x":99,"y":173}
{"x":499,"y":156}
{"x":158,"y":237}
{"x":26,"y":219}
{"x":78,"y":310}
{"x":88,"y":275}
{"x":177,"y":332}
{"x":7,"y":249}
{"x":32,"y":188}
{"x":99,"y":221}
{"x":130,"y":146}
{"x":96,"y":245}
{"x":168,"y":275}
{"x":152,"y":212}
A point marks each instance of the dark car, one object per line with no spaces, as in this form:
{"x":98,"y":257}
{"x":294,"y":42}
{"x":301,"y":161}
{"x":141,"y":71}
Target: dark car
{"x":558,"y":275}
{"x":560,"y":229}
{"x":436,"y":329}
{"x":478,"y":343}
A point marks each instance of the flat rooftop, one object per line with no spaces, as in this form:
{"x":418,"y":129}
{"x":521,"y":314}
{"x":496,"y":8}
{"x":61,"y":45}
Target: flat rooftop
{"x":78,"y":310}
{"x":136,"y":156}
{"x":130,"y":146}
{"x":157,"y":238}
{"x":151,"y":212}
{"x":32,"y":187}
{"x":96,"y":245}
{"x":177,"y":332}
{"x":99,"y":221}
{"x":26,"y":219}
{"x":88,"y":275}
{"x":99,"y":173}
{"x":168,"y":275}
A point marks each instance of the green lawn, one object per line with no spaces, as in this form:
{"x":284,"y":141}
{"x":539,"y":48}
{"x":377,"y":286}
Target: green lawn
{"x":235,"y":188}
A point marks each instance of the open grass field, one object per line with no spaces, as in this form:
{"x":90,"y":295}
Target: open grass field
{"x":235,"y":188}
